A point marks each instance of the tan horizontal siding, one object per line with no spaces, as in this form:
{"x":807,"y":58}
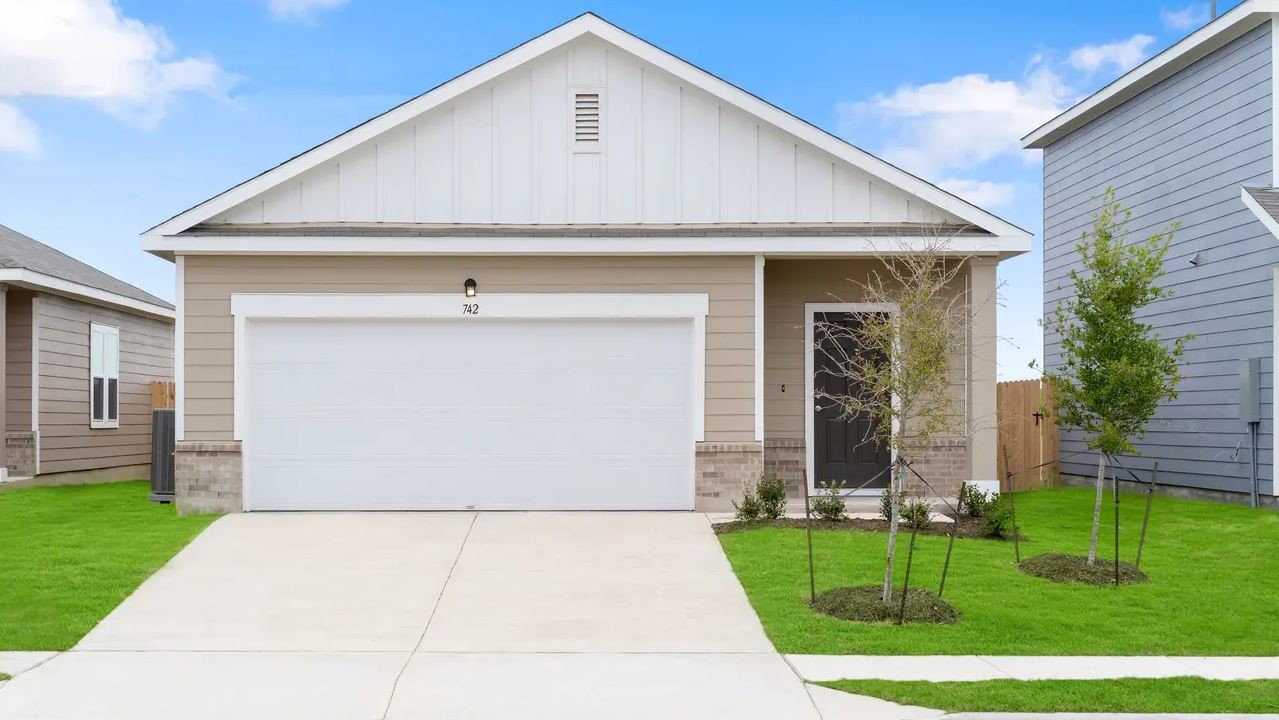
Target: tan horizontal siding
{"x":210,"y":281}
{"x":788,"y":286}
{"x":67,"y":443}
{"x":17,"y":337}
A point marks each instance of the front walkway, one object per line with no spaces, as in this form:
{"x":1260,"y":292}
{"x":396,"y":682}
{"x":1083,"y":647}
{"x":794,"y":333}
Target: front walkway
{"x":389,"y":615}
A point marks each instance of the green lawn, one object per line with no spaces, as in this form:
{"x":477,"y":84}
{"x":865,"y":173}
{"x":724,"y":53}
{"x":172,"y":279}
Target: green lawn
{"x":1212,"y":568}
{"x":1126,"y":695}
{"x":69,"y":555}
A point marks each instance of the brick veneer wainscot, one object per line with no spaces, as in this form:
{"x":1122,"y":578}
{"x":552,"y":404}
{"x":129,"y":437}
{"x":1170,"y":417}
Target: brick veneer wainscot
{"x":207,"y":477}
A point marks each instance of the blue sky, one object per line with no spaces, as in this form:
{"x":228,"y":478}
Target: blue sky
{"x":114,"y":116}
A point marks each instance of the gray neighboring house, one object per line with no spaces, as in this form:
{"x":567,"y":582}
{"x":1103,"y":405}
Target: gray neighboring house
{"x":1187,"y":136}
{"x":79,"y":351}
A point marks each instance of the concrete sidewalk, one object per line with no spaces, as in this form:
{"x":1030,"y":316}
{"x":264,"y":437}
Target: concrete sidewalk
{"x":941,"y":668}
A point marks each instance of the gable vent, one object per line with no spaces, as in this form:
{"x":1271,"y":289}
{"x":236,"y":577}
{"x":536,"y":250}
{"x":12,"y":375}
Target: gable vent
{"x":586,"y":118}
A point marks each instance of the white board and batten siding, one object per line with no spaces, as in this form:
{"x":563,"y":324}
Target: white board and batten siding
{"x":67,"y":443}
{"x":505,"y":152}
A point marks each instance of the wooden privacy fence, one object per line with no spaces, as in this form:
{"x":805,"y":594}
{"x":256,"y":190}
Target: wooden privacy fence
{"x":1028,"y":433}
{"x":163,"y":394}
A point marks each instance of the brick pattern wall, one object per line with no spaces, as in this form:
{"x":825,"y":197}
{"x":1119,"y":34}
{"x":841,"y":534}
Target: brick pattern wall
{"x":20,"y":453}
{"x":786,"y":459}
{"x":944,"y":464}
{"x":207,"y":477}
{"x":723,"y":470}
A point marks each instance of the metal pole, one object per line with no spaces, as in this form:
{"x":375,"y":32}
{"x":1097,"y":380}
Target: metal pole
{"x":954,"y":530}
{"x":1252,"y":435}
{"x":808,"y":524}
{"x":1145,"y":520}
{"x":1114,"y":491}
{"x":1012,"y":505}
{"x":910,"y":555}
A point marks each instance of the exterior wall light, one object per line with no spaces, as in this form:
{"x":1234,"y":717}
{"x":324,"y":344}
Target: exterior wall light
{"x":469,"y":287}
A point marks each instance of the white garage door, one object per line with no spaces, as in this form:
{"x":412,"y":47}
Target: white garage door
{"x":360,"y":414}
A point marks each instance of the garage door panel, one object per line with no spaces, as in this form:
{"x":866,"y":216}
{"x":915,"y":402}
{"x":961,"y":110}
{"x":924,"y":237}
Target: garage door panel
{"x":447,"y":414}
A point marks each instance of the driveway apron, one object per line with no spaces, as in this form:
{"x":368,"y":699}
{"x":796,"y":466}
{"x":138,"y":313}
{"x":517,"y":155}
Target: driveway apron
{"x":405,"y":615}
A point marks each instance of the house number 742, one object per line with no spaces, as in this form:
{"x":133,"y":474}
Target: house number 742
{"x":470,"y":308}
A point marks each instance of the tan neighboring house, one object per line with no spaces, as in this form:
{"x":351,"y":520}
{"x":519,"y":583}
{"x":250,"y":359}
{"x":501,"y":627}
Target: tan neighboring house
{"x":578,"y":276}
{"x":80,"y":351}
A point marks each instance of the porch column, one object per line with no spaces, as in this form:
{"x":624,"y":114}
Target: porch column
{"x":983,"y":447}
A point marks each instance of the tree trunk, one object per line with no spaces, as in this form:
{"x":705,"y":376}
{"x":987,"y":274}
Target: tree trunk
{"x":894,"y":518}
{"x":1096,"y":508}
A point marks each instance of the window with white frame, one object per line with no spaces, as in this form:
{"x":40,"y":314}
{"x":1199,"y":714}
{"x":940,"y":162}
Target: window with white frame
{"x":104,"y":376}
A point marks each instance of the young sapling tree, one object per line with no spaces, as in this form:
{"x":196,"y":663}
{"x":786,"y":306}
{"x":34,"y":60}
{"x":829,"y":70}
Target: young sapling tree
{"x":1115,"y":369}
{"x":894,"y":363}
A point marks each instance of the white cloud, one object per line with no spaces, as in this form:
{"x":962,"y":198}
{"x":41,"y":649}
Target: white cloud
{"x":1191,"y":16}
{"x":1121,"y":55}
{"x":982,"y":193}
{"x":300,"y":10}
{"x":17,"y":133}
{"x":960,"y":123}
{"x":86,"y":50}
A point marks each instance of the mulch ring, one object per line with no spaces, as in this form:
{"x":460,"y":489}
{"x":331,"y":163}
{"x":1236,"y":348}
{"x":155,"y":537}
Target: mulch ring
{"x":1063,"y":568}
{"x":969,"y":527}
{"x":865,"y":604}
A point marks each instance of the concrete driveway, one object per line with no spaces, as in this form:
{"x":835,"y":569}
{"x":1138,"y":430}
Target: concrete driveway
{"x":393,"y":615}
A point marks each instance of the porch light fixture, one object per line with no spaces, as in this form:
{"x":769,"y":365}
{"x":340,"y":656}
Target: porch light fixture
{"x":469,"y":287}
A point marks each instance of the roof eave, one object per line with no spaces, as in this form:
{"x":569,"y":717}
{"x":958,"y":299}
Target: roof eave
{"x":1232,"y":24}
{"x":30,"y":279}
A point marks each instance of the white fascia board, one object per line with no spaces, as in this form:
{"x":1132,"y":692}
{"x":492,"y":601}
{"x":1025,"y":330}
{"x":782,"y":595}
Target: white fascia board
{"x":593,"y":25}
{"x":58,"y":286}
{"x":1265,"y":218}
{"x":515,"y":245}
{"x":1225,"y":28}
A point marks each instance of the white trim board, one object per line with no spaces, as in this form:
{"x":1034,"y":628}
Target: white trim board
{"x":759,"y":348}
{"x":1274,"y":354}
{"x":179,"y":349}
{"x":39,"y":281}
{"x":810,"y":394}
{"x":1239,"y":20}
{"x":590,"y":24}
{"x":797,"y":246}
{"x":1264,"y":217}
{"x":35,"y":381}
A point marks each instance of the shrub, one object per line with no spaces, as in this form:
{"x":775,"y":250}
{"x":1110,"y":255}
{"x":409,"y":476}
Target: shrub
{"x":829,"y":504}
{"x":974,"y":501}
{"x":749,"y":508}
{"x":772,"y":496}
{"x":997,"y":520}
{"x":763,"y":500}
{"x":886,"y":503}
{"x":917,"y":512}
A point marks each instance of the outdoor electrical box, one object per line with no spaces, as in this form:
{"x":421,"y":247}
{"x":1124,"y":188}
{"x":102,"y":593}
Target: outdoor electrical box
{"x":1250,"y":390}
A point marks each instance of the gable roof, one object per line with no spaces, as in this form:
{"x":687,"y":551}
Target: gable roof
{"x":590,"y":24}
{"x":1239,"y":20}
{"x":1263,"y":203}
{"x":19,"y":252}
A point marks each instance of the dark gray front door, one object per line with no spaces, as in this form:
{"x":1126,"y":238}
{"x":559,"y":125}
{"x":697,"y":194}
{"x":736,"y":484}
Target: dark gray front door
{"x":844,"y":450}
